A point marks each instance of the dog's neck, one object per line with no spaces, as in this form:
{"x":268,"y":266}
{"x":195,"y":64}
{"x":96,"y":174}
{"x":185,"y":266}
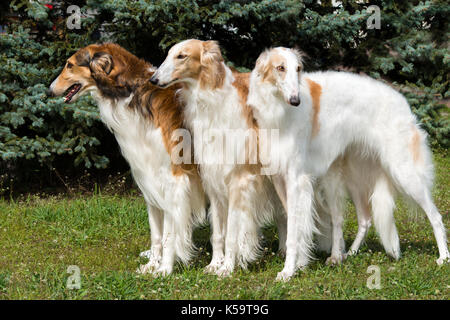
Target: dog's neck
{"x":268,"y":106}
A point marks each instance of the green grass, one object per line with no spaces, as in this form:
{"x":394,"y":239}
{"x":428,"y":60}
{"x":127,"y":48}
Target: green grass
{"x":103,"y":235}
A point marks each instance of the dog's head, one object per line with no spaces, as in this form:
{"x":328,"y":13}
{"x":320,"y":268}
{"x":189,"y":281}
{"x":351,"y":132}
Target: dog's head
{"x":190,"y":61}
{"x":107,"y":68}
{"x":282,"y":68}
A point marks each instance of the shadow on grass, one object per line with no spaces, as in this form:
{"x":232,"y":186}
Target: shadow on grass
{"x":270,"y":256}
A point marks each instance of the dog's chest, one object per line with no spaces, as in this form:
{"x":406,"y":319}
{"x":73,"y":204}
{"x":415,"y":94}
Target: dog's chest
{"x":141,"y":144}
{"x":284,"y":131}
{"x":214,"y":121}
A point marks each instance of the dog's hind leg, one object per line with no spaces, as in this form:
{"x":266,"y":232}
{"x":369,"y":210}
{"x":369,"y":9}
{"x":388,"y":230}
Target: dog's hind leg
{"x":334,"y":191}
{"x":423,"y":198}
{"x":364,"y":216}
{"x":324,"y":225}
{"x":242,"y":230}
{"x":338,"y":246}
{"x":412,"y":173}
{"x":414,"y":187}
{"x":281,"y":222}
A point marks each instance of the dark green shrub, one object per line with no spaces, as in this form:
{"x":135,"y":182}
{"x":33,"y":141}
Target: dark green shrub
{"x":410,"y":50}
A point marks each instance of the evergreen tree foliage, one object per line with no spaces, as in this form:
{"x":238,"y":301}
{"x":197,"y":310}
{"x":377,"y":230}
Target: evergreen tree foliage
{"x":410,"y":50}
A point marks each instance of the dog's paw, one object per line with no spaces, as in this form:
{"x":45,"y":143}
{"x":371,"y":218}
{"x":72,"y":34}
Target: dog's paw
{"x":149,"y":267}
{"x":284,"y":276}
{"x":146,"y":254}
{"x":334,"y":260}
{"x":163,"y":271}
{"x":281,"y":252}
{"x":443,"y":260}
{"x":350,"y":253}
{"x":146,"y":269}
{"x":213,"y":267}
{"x":224,"y":271}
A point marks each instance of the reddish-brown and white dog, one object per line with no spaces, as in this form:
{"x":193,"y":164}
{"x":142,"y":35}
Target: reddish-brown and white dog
{"x":143,"y":119}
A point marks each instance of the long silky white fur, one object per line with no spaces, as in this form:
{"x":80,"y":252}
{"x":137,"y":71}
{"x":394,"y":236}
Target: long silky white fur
{"x":142,"y":145}
{"x":364,"y":114}
{"x":236,"y":217}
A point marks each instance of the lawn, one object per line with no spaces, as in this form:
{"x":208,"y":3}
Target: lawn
{"x":102,"y":234}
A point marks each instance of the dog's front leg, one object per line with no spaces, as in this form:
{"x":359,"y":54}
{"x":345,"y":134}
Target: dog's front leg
{"x":300,"y":225}
{"x":155,"y":218}
{"x":292,"y":230}
{"x":218,"y":217}
{"x":281,"y":217}
{"x":231,"y":243}
{"x":168,"y":246}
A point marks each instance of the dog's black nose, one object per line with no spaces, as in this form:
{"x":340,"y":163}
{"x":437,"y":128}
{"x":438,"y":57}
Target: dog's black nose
{"x":50,"y":93}
{"x":154,"y":80}
{"x":294,"y":100}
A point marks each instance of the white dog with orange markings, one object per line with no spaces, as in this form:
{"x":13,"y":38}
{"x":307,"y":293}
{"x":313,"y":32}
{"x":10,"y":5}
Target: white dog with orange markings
{"x":344,"y":129}
{"x":215,"y":105}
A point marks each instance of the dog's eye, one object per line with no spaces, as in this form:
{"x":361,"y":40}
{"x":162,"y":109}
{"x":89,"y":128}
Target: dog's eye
{"x":69,"y":65}
{"x":299,"y":69}
{"x":280,"y":68}
{"x":181,"y":56}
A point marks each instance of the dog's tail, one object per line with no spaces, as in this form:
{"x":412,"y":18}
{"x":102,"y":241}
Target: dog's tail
{"x":383,"y":205}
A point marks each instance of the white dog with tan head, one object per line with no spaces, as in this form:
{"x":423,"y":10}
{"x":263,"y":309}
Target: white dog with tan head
{"x":219,"y":119}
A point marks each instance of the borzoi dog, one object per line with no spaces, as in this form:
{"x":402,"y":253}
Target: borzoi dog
{"x":143,"y":119}
{"x":216,"y":110}
{"x":363,"y":179}
{"x":327,"y":115}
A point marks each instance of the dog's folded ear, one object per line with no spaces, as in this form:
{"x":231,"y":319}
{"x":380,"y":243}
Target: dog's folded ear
{"x":262,"y":65}
{"x":210,"y":53}
{"x":299,"y":54}
{"x":83,"y":58}
{"x":101,"y":62}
